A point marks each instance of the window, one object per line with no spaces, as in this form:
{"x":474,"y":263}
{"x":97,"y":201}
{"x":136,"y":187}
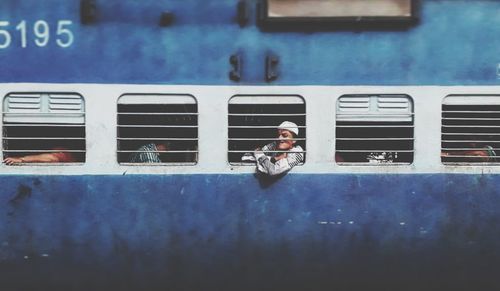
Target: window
{"x":323,"y":12}
{"x":44,"y":127}
{"x":253,"y":123}
{"x":374,"y":130}
{"x":470,"y":129}
{"x":157,"y":129}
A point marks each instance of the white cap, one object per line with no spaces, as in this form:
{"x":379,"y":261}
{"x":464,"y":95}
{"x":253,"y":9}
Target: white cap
{"x":290,"y":126}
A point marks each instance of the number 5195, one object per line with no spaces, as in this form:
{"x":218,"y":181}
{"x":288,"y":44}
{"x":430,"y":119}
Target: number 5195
{"x":38,"y":33}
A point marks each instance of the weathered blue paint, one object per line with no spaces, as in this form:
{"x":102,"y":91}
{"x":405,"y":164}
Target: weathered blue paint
{"x":455,"y":43}
{"x":230,"y":232}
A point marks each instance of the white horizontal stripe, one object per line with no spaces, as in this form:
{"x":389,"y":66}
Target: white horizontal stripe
{"x":101,"y":117}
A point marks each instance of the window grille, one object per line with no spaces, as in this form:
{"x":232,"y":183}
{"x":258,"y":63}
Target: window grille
{"x":470,"y":130}
{"x":374,"y":130}
{"x":253,"y":123}
{"x":157,"y":129}
{"x":35,"y":124}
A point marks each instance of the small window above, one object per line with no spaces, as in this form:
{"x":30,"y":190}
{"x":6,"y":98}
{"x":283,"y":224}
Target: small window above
{"x":43,"y":128}
{"x":157,"y":129}
{"x":321,"y":14}
{"x":374,"y":130}
{"x":470,"y":130}
{"x":254,"y":121}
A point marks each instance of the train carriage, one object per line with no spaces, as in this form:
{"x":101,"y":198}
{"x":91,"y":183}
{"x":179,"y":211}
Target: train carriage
{"x":397,"y":104}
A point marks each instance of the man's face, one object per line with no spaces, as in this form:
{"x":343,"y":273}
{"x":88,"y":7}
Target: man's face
{"x":286,"y":141}
{"x":161,"y":147}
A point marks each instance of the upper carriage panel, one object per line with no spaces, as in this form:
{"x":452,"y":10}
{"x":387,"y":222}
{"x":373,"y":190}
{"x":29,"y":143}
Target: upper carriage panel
{"x":454,"y":43}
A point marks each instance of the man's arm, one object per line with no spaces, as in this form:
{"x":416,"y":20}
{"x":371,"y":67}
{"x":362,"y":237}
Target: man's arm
{"x":265,"y":165}
{"x":40,"y":158}
{"x":252,"y":157}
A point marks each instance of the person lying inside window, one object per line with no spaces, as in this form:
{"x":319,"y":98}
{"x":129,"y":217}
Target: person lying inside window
{"x":58,"y":155}
{"x":279,"y":156}
{"x":149,"y":153}
{"x":476,"y":153}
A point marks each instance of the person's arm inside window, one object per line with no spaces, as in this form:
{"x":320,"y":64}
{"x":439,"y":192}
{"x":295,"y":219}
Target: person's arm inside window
{"x":55,"y":157}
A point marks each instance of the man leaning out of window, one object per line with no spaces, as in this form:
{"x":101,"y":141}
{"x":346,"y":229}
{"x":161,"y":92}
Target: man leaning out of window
{"x":279,"y":156}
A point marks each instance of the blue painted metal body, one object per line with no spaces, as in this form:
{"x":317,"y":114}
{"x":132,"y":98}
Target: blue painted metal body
{"x":228,"y":232}
{"x":208,"y":232}
{"x":455,"y":43}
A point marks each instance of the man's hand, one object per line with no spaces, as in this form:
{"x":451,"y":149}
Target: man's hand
{"x":280,"y":156}
{"x":11,"y":161}
{"x":258,"y":153}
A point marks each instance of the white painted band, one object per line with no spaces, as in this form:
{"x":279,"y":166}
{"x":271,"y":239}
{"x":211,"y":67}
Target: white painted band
{"x":101,"y":120}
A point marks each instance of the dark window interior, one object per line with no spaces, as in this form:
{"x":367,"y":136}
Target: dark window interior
{"x":21,"y":139}
{"x":175,"y":125}
{"x":374,"y":142}
{"x":470,"y":133}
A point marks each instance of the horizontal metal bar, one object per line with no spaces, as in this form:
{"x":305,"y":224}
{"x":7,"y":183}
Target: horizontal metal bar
{"x":44,"y":151}
{"x":24,"y":106}
{"x":258,"y":126}
{"x":375,"y":151}
{"x":251,"y":151}
{"x":157,"y":113}
{"x":469,"y":156}
{"x":158,"y":164}
{"x":65,"y":96}
{"x":43,"y":125}
{"x":468,"y":149}
{"x":158,"y":126}
{"x":44,"y":138}
{"x":375,"y":126}
{"x":267,"y":114}
{"x":152,"y":138}
{"x":250,"y":139}
{"x":470,"y":133}
{"x":44,"y":113}
{"x":469,"y":163}
{"x":467,"y":126}
{"x":381,"y":138}
{"x":15,"y":101}
{"x":483,"y":119}
{"x":66,"y":105}
{"x":466,"y":141}
{"x":469,"y":111}
{"x":355,"y":106}
{"x":166,"y":152}
{"x":371,"y":115}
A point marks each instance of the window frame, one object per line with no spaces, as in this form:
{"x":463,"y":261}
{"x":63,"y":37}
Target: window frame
{"x":144,"y":102}
{"x":304,"y":139}
{"x":82,"y":125}
{"x":482,"y":103}
{"x":373,"y":115}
